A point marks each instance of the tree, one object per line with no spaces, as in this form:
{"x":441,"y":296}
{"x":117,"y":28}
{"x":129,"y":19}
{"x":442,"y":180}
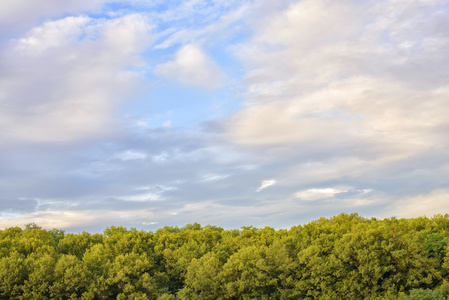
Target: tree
{"x":13,"y":273}
{"x":72,"y":278}
{"x":422,"y":294}
{"x":40,"y":268}
{"x":245,"y":276}
{"x":129,"y":277}
{"x":202,"y":277}
{"x":75,"y":244}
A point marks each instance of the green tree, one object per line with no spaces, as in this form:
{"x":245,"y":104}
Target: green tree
{"x":202,"y":277}
{"x":33,"y":238}
{"x":13,"y":274}
{"x":245,"y":276}
{"x":436,"y":244}
{"x":8,"y":238}
{"x":72,"y":278}
{"x":130,"y":277}
{"x":40,"y":268}
{"x":97,"y":260}
{"x":422,"y":294}
{"x":75,"y":244}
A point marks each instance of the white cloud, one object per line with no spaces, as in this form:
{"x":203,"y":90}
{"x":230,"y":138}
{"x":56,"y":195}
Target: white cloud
{"x":66,"y":218}
{"x":357,"y":110}
{"x":435,"y":202}
{"x":216,"y":20}
{"x":127,"y":36}
{"x":161,"y":158}
{"x":146,"y":194}
{"x":316,"y":194}
{"x":157,"y":188}
{"x":52,"y":34}
{"x":266,"y":183}
{"x":149,"y":223}
{"x":69,"y":76}
{"x":192,"y":67}
{"x":348,"y":90}
{"x":143,"y":197}
{"x":176,"y":156}
{"x":19,"y":14}
{"x":213,"y":177}
{"x":131,"y":155}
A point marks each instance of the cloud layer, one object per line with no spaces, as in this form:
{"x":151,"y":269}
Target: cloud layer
{"x":147,"y":114}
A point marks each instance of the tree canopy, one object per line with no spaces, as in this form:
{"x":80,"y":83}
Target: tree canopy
{"x":343,"y":257}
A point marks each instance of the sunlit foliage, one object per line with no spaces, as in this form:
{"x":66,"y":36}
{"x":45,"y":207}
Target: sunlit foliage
{"x":344,"y":257}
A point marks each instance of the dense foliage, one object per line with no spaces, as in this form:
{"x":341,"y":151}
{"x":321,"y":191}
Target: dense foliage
{"x":344,"y":257}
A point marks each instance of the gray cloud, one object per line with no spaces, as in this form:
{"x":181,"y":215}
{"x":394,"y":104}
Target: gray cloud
{"x":17,"y":206}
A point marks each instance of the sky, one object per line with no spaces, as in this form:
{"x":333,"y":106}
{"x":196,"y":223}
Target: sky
{"x":151,"y":113}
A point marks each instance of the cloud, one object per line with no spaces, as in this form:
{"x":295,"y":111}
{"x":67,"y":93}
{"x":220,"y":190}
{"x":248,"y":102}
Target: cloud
{"x":149,"y":223}
{"x":325,"y":76}
{"x":345,"y":92}
{"x":131,"y":155}
{"x":16,"y":16}
{"x":266,"y":183}
{"x":316,"y":194}
{"x":435,"y":202}
{"x":213,"y":177}
{"x":213,"y":21}
{"x":344,"y":103}
{"x":52,"y":34}
{"x":148,"y":193}
{"x":143,"y":197}
{"x":192,"y":67}
{"x":71,"y":218}
{"x":63,"y":79}
{"x":19,"y":206}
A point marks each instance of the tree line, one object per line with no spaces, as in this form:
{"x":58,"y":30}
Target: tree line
{"x":343,"y":257}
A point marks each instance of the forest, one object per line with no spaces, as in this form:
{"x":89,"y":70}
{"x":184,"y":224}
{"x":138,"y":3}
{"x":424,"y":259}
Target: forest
{"x":342,"y":257}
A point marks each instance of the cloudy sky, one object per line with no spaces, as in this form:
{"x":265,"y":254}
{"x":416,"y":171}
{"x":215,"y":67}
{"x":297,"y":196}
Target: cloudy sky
{"x":147,"y":113}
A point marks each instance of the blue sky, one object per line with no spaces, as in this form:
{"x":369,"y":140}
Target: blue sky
{"x":232,"y":113}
